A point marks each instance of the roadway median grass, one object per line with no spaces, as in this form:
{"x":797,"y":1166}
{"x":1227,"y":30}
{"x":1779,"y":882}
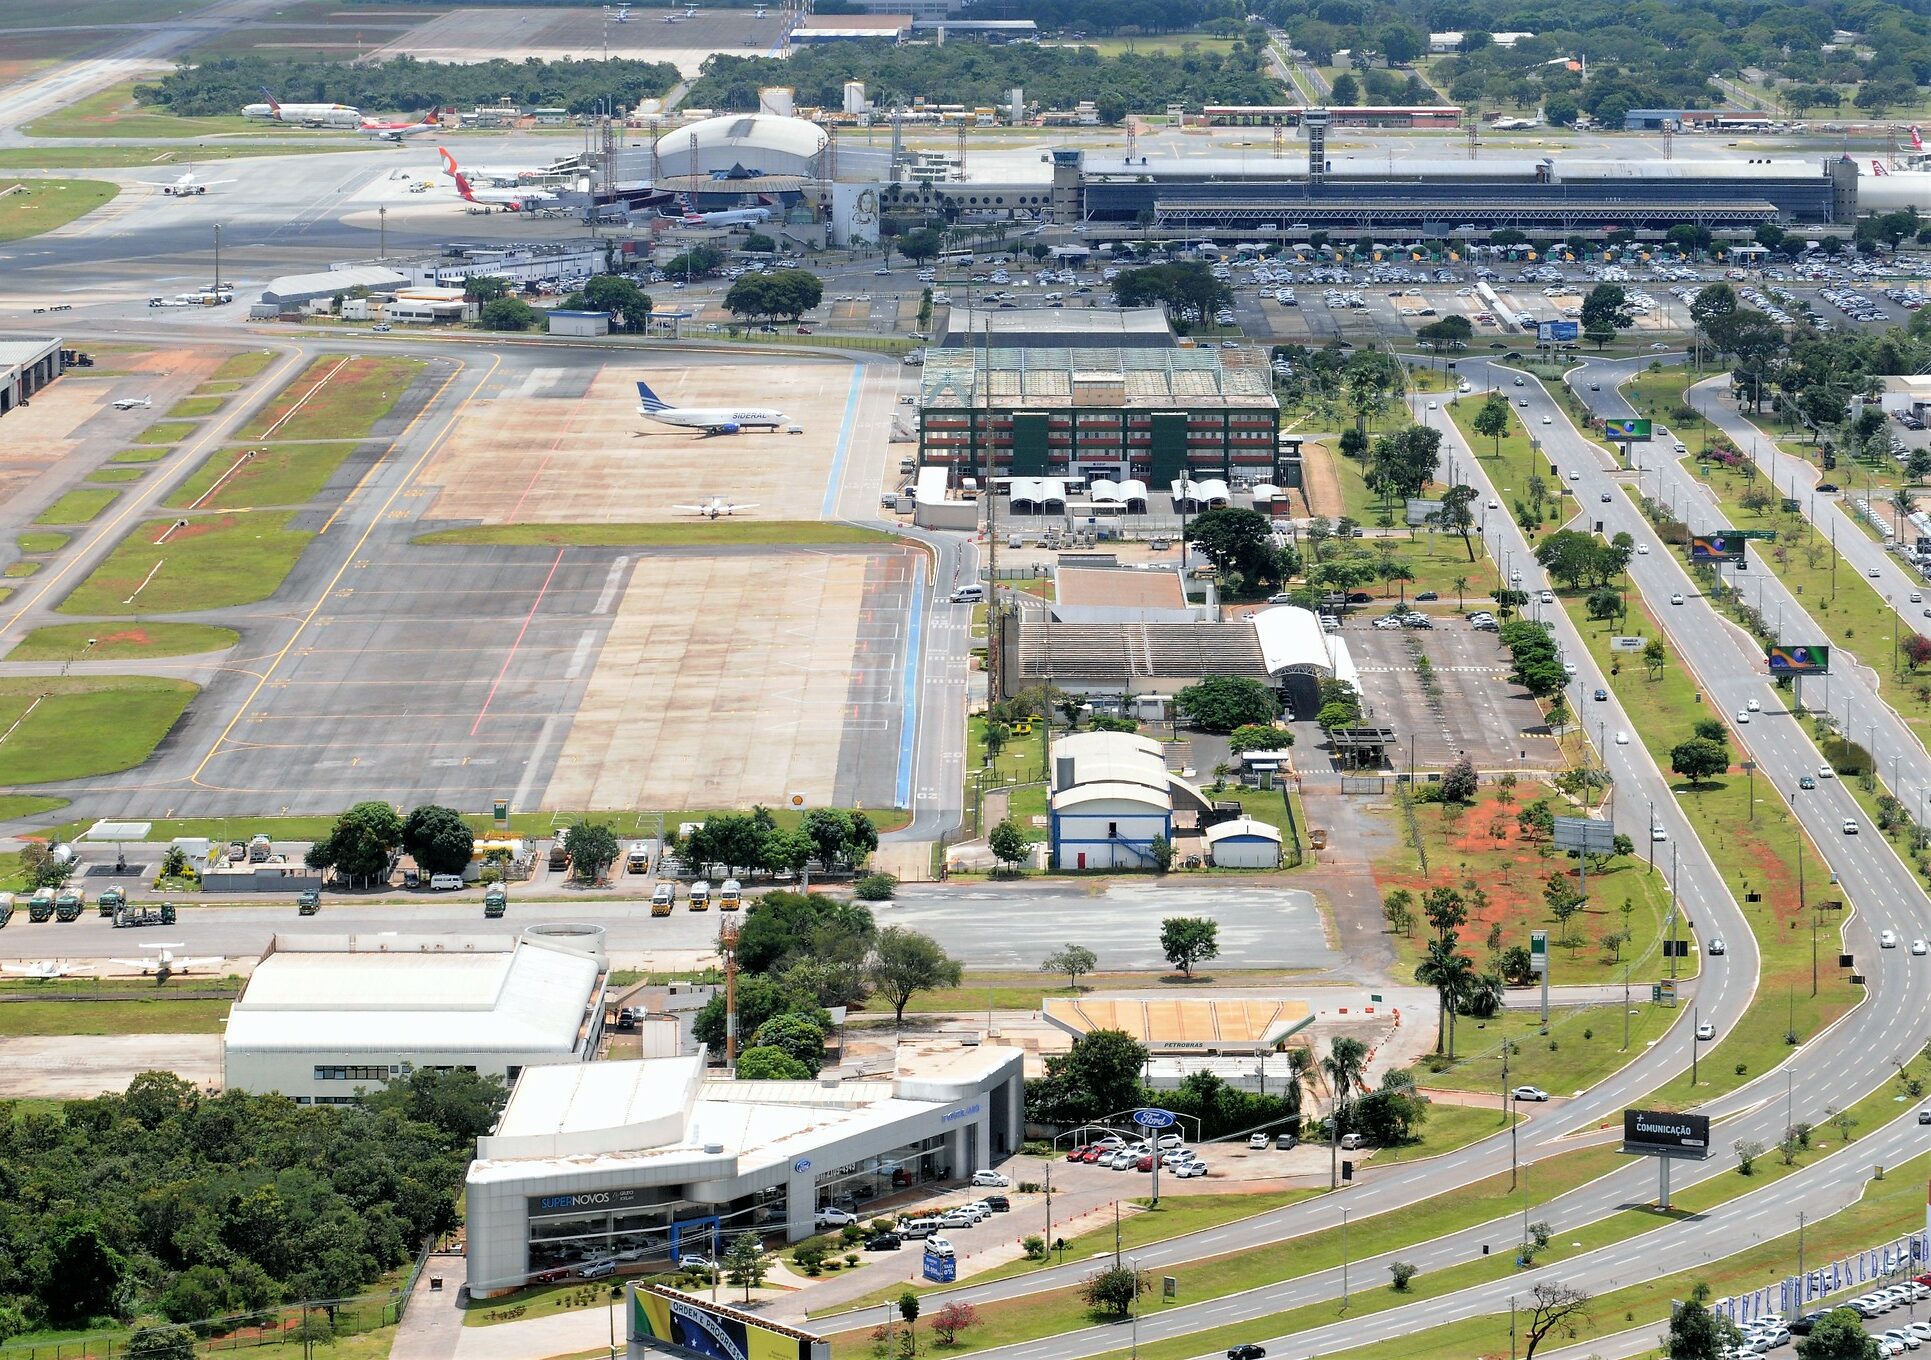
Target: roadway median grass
{"x":1756,"y":851}
{"x":77,"y":507}
{"x":30,"y":206}
{"x":112,"y":642}
{"x":147,"y":455}
{"x":153,"y":1014}
{"x":236,"y":477}
{"x":116,"y":474}
{"x":339,"y":396}
{"x":80,"y":726}
{"x":210,"y":563}
{"x":1513,"y":466}
{"x":728,"y":532}
{"x":42,"y":541}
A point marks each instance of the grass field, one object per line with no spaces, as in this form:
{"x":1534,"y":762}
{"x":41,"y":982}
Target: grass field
{"x":140,"y":455}
{"x":21,"y":569}
{"x":238,"y":367}
{"x":1512,"y":463}
{"x":77,"y":507}
{"x":193,"y":408}
{"x":78,"y":13}
{"x":14,"y":805}
{"x":165,"y":432}
{"x":43,"y":204}
{"x":149,"y":1015}
{"x":78,"y":727}
{"x":1755,"y":852}
{"x":336,"y":397}
{"x":676,"y":533}
{"x":1584,"y":1044}
{"x":214,"y":562}
{"x":112,"y":112}
{"x":1170,"y":43}
{"x":275,"y":474}
{"x":115,"y":474}
{"x":60,"y":641}
{"x":161,"y":159}
{"x":42,"y":541}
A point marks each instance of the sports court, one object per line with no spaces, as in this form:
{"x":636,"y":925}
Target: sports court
{"x":566,"y":445}
{"x":471,"y":35}
{"x":728,"y":680}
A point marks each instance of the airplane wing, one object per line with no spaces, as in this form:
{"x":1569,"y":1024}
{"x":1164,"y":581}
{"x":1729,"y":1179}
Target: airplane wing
{"x":733,"y":509}
{"x":206,"y":182}
{"x":693,"y":509}
{"x":198,"y":965}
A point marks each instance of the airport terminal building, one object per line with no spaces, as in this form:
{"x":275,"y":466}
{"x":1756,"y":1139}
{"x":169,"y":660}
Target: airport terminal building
{"x":647,"y":1161}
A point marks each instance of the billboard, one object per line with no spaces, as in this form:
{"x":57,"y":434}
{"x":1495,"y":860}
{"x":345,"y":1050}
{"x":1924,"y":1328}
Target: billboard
{"x":1786,"y":658}
{"x":1557,"y":332}
{"x":1659,"y":1133}
{"x":666,"y":1317}
{"x":1623,"y":643}
{"x":1626,"y":429}
{"x":1724,"y":545}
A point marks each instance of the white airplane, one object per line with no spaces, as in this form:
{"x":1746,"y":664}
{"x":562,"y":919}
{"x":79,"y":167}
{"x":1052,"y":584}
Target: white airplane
{"x":166,"y":962}
{"x":308,"y":115}
{"x":712,"y":420}
{"x":675,"y":18}
{"x":44,"y":971}
{"x":184,"y":185}
{"x":129,"y":403}
{"x":714,"y":507}
{"x":729,"y":217}
{"x":515,"y":200}
{"x":620,"y":16}
{"x":392,"y":131}
{"x":1514,"y":124}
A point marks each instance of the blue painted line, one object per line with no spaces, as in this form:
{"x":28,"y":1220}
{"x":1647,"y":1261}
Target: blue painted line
{"x":830,"y":504}
{"x":909,"y":684}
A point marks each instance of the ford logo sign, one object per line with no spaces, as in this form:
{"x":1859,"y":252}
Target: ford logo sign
{"x":802,"y":1165}
{"x":1154,"y":1119}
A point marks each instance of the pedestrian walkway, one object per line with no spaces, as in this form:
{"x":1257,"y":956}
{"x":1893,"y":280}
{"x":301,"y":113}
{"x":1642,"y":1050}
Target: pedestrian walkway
{"x":432,"y":1324}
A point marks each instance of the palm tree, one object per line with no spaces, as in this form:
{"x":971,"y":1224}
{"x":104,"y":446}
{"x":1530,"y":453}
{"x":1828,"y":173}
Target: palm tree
{"x":1300,"y":1074}
{"x":1347,"y":1059}
{"x":1461,"y":584}
{"x":1448,"y":971}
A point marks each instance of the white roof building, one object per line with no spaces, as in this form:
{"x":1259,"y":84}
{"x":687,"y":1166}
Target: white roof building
{"x":324,"y":1018}
{"x":292,"y":290}
{"x":745,"y":144}
{"x":644,"y":1161}
{"x":1243,"y":843}
{"x":1292,"y":641}
{"x":1111,"y":797}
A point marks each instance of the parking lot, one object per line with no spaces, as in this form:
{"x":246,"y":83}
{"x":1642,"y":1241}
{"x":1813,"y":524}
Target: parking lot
{"x":1461,"y":706}
{"x":1890,"y":1314}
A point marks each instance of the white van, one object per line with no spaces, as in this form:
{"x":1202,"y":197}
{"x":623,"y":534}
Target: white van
{"x":700,"y":896}
{"x":445,"y":882}
{"x":969,"y":595}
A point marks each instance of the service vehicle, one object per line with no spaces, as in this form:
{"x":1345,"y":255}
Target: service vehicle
{"x":129,"y":917}
{"x":495,"y":902}
{"x":67,"y":904}
{"x":730,"y":896}
{"x":111,"y":900}
{"x":308,"y":903}
{"x":662,"y":900}
{"x":40,"y":907}
{"x":700,"y":896}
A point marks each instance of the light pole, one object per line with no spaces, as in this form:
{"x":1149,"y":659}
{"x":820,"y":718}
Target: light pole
{"x":1344,"y":1260}
{"x":1134,"y":1263}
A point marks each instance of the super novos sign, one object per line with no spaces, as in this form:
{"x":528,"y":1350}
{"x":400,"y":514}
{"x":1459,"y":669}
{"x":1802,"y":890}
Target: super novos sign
{"x":1661,"y":1133}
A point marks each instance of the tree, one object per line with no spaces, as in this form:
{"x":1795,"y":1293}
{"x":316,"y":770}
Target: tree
{"x":952,"y":1319}
{"x":1114,"y":1290}
{"x":1554,"y":1308}
{"x":1459,"y":782}
{"x":463,"y":1102}
{"x":593,"y":849}
{"x":1563,"y":898}
{"x":797,"y":1036}
{"x":1446,"y":910}
{"x":1838,"y":1335}
{"x":1917,"y":650}
{"x":1457,"y":516}
{"x":1009,"y":845}
{"x":1074,"y":960}
{"x":629,"y":306}
{"x":1402,"y":1272}
{"x":163,"y":1341}
{"x":1259,"y":737}
{"x":1747,"y":1150}
{"x":1607,"y":307}
{"x":907,"y":962}
{"x":1187,"y":940}
{"x":745,"y":1262}
{"x":908,"y":1308}
{"x":1492,"y":419}
{"x":1398,"y":909}
{"x":1448,"y":971}
{"x":1654,"y":655}
{"x":921,"y":245}
{"x":1221,"y":703}
{"x":1345,"y":90}
{"x":770,"y":1064}
{"x":1099,"y":1075}
{"x":1699,"y":759}
{"x":1238,"y":543}
{"x":780,"y":927}
{"x":77,"y":1274}
{"x":480,"y":288}
{"x":508,"y":314}
{"x":1347,"y":1059}
{"x":438,"y":839}
{"x":361,"y":844}
{"x":1695,"y":1332}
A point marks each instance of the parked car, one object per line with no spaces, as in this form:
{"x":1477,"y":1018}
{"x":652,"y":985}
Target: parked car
{"x":1257,"y":1141}
{"x":830,"y":1217}
{"x":1534,"y":1093}
{"x":998,"y":1178}
{"x":999,"y":1204}
{"x":596,"y":1270}
{"x":885,"y":1241}
{"x":940,"y":1246}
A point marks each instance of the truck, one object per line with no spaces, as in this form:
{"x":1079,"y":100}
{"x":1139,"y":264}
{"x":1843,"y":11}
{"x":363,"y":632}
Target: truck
{"x":662,"y":900}
{"x":144,"y":916}
{"x":308,"y":903}
{"x":111,"y":901}
{"x":6,"y":909}
{"x":40,"y":907}
{"x":559,"y":856}
{"x":67,"y":904}
{"x":495,"y":901}
{"x":260,"y":849}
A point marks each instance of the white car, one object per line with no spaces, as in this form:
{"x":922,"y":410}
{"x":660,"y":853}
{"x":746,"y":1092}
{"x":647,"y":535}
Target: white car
{"x":1706,"y":1031}
{"x":1918,"y":947}
{"x":1675,"y":598}
{"x":1743,"y":715}
{"x":1257,"y":1141}
{"x":1622,"y":737}
{"x":940,"y":1246}
{"x":958,"y":1218}
{"x":1642,"y":550}
{"x":1494,"y":504}
{"x":828,"y":1217}
{"x":1887,"y":939}
{"x":1754,"y":706}
{"x":1188,"y":1170}
{"x":1657,"y":835}
{"x":1534,"y":1093}
{"x":998,"y":1180}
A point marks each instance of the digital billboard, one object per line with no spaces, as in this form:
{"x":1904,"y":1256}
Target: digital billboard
{"x":1627,"y":429}
{"x":1557,"y":332}
{"x":1659,"y":1133}
{"x":683,"y":1321}
{"x":1725,"y":545}
{"x":1787,"y":658}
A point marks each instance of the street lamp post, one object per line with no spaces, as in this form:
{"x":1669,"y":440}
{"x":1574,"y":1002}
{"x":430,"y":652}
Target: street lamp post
{"x":1344,"y":1260}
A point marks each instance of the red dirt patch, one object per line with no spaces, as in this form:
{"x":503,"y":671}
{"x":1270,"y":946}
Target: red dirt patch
{"x":195,"y":528}
{"x":126,"y":637}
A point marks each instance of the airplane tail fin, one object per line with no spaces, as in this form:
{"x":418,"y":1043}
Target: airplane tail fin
{"x":648,"y":399}
{"x":449,"y":161}
{"x":274,"y":105}
{"x":1877,"y":167}
{"x":1917,"y":138}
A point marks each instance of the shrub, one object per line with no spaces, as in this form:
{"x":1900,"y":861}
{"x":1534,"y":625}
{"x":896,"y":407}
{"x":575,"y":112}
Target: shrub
{"x":1403,"y":1272}
{"x":876,"y":887}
